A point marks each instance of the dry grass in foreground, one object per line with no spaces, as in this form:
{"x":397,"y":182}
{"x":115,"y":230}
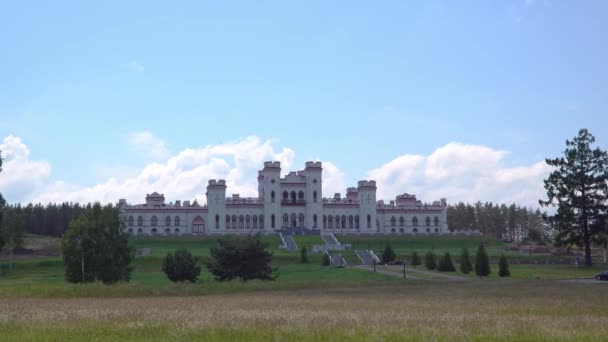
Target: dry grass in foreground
{"x":513,"y":310}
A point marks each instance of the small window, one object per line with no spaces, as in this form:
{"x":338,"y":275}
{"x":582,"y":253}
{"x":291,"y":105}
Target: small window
{"x":177,"y":221}
{"x":154,"y":221}
{"x":167,"y":221}
{"x":272,"y":196}
{"x":140,"y":221}
{"x":131,"y":220}
{"x":314,"y":196}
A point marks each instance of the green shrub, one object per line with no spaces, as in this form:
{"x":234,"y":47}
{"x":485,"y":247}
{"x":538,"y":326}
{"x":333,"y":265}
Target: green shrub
{"x":465,"y":262}
{"x":325,"y":261}
{"x":503,"y":267}
{"x":482,"y":263}
{"x":243,"y":258}
{"x":388,"y":255}
{"x":415,"y":261}
{"x":430,"y":261}
{"x":303,"y":255}
{"x":181,"y":266}
{"x":445,"y":264}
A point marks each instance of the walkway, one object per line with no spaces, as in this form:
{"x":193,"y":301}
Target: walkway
{"x":413,"y":273}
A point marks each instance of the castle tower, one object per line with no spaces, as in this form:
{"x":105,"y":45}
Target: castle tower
{"x":314,"y":194}
{"x":269,"y":182}
{"x":216,"y":204}
{"x":366,"y":191}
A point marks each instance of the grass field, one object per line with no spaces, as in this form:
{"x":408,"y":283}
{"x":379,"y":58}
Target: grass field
{"x":307,"y":302}
{"x":516,"y":310}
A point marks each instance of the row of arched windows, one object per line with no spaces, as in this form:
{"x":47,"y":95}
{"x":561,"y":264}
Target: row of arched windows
{"x":414,"y":221}
{"x":242,"y":222}
{"x":293,"y":197}
{"x":154,"y":221}
{"x":154,"y":231}
{"x":342,"y":222}
{"x":415,"y":230}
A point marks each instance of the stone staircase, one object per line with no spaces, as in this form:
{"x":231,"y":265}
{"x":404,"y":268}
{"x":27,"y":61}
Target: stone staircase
{"x":337,"y":260}
{"x":330,"y":239}
{"x":367,"y":257}
{"x":288,"y":243}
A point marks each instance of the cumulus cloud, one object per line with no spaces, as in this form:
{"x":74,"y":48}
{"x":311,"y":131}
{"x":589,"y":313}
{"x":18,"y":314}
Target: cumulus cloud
{"x":148,"y":145}
{"x":20,"y":176}
{"x":461,"y":172}
{"x":456,"y":171}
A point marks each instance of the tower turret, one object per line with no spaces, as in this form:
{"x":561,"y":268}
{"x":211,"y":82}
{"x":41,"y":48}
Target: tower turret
{"x":216,"y":204}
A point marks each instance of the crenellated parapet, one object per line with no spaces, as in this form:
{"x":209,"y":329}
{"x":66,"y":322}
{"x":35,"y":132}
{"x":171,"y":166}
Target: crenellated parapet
{"x":366,"y":184}
{"x":272,"y":165}
{"x":219,"y":182}
{"x":313,"y":165}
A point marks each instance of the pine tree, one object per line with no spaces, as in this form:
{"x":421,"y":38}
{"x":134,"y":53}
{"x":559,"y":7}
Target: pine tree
{"x":415,"y":261}
{"x":503,"y":267}
{"x":303,"y":255}
{"x":482,"y":263}
{"x":445,"y":264}
{"x":243,"y":258}
{"x":388,"y":255}
{"x":465,"y":262}
{"x":181,"y":266}
{"x":577,"y":186}
{"x":430,"y":261}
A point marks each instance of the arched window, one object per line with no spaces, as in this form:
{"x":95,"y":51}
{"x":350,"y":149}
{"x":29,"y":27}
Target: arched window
{"x":217,"y":221}
{"x":198,"y":225}
{"x":301,"y":196}
{"x":176,"y":231}
{"x":233,"y":221}
{"x":241,"y":222}
{"x":415,"y":221}
{"x":314,"y":221}
{"x":285,"y":220}
{"x":343,"y":221}
{"x":272,"y":224}
{"x":436,"y":230}
{"x":350,"y":221}
{"x":140,"y":221}
{"x":330,"y":222}
{"x":154,"y":231}
{"x":392,"y":230}
{"x":285,"y":196}
{"x":131,"y":220}
{"x":154,"y":221}
{"x":314,"y":196}
{"x":167,"y":231}
{"x":272,"y":196}
{"x":168,"y":221}
{"x":428,"y":221}
{"x":261,"y":224}
{"x":227,"y":222}
{"x":357,"y":221}
{"x":428,"y":230}
{"x":248,"y":222}
{"x":415,"y":230}
{"x":301,"y":220}
{"x":436,"y":221}
{"x":140,"y":231}
{"x":255,"y":221}
{"x":177,"y":221}
{"x":369,"y":221}
{"x":131,"y":231}
{"x":324,"y":221}
{"x":401,"y":230}
{"x":293,"y":197}
{"x":293,"y":220}
{"x":401,"y":221}
{"x":338,"y":221}
{"x":393,"y":221}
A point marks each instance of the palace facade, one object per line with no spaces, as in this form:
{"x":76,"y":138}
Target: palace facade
{"x":293,"y":202}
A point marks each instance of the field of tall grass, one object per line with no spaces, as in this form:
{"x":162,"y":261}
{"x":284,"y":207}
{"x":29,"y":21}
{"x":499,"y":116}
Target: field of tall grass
{"x":474,"y":311}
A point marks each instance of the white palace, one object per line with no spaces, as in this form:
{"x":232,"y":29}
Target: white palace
{"x":294,"y":202}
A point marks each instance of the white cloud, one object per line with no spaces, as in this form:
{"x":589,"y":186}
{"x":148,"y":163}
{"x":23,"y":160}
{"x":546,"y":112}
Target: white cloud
{"x":149,"y":145}
{"x":135,"y":66}
{"x":20,"y":176}
{"x":461,"y":172}
{"x":457,"y":171}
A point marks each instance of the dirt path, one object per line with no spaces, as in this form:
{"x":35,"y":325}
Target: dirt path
{"x":412,"y":273}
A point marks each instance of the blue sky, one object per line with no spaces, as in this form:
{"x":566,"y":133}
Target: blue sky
{"x":354,"y":83}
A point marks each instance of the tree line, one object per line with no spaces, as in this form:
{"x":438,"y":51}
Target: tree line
{"x":51,"y":219}
{"x":512,"y":222}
